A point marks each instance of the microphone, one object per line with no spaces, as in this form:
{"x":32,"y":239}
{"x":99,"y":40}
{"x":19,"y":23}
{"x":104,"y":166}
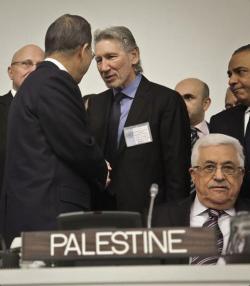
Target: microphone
{"x":153,"y":193}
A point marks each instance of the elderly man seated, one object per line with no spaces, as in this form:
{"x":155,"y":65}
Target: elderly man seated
{"x":217,"y":172}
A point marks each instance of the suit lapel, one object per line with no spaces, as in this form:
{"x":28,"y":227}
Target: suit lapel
{"x":240,"y":117}
{"x":181,"y":215}
{"x":102,"y":117}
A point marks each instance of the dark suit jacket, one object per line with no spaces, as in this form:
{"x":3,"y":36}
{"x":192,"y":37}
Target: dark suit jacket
{"x":164,"y":161}
{"x":51,"y":158}
{"x":5,"y":102}
{"x":231,"y":122}
{"x":178,"y":215}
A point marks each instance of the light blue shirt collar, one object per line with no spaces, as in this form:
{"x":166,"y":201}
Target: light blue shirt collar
{"x":131,"y":89}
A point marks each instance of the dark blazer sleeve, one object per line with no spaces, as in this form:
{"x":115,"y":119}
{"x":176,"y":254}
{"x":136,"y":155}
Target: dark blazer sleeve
{"x":175,"y":144}
{"x":63,"y":120}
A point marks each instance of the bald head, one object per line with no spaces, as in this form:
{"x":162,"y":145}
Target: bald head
{"x":23,"y":62}
{"x":196,"y":96}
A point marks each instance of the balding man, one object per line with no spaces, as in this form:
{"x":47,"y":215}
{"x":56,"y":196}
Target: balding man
{"x":24,"y":61}
{"x":196,"y":96}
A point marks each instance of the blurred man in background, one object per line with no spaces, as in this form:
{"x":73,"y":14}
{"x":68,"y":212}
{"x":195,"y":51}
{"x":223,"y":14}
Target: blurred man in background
{"x":23,"y":62}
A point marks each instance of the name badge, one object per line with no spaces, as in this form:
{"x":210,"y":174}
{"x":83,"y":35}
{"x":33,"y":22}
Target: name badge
{"x":137,"y":134}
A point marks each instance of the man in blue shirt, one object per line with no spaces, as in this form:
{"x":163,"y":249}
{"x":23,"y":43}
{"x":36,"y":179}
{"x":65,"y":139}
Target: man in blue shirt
{"x":142,"y":128}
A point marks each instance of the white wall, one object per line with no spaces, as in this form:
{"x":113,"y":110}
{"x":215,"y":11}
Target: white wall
{"x":177,"y":38}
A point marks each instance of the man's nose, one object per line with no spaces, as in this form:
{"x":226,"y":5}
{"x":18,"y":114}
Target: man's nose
{"x":104,"y":66}
{"x":232,"y":80}
{"x":219,"y":175}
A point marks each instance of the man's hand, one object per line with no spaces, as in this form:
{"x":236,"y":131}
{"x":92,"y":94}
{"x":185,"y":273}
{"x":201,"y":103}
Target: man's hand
{"x":108,"y":180}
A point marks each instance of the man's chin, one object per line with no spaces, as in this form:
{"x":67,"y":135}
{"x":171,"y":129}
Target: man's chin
{"x":221,"y":203}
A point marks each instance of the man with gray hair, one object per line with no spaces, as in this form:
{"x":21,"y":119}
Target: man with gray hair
{"x":52,"y":160}
{"x":217,"y":171}
{"x":142,"y":128}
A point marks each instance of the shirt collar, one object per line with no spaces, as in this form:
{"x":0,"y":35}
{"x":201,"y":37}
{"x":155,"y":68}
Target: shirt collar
{"x":13,"y":92}
{"x":131,"y":89}
{"x":247,"y":110}
{"x":202,"y":127}
{"x":57,"y":63}
{"x":198,"y":209}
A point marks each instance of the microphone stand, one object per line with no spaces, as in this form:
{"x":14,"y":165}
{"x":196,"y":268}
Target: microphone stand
{"x":153,"y":193}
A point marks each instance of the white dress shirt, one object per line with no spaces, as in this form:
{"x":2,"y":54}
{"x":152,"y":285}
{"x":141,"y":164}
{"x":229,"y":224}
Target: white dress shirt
{"x":202,"y":128}
{"x":199,"y":215}
{"x":247,"y":115}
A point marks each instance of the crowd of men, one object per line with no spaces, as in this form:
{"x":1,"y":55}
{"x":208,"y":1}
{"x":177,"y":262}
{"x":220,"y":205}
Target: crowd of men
{"x":60,"y":155}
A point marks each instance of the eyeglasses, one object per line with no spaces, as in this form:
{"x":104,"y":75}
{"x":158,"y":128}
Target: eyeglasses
{"x":25,"y":64}
{"x":227,"y":170}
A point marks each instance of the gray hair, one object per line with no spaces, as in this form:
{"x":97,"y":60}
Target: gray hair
{"x":217,"y":139}
{"x":124,"y":36}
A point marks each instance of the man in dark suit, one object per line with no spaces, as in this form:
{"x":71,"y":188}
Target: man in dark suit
{"x":52,"y":161}
{"x":23,"y":62}
{"x":195,"y":94}
{"x":234,"y":121}
{"x":152,"y":136}
{"x":217,"y":171}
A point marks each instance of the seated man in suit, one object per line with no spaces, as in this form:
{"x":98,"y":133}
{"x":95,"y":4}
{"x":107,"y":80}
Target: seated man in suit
{"x":196,"y":96}
{"x":217,"y":172}
{"x":23,"y":62}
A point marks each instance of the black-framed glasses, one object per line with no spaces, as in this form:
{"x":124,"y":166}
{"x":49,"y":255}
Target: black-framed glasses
{"x":26,"y":64}
{"x":226,"y":169}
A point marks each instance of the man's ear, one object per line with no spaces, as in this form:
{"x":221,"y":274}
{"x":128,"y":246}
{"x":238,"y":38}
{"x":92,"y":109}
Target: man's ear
{"x":135,"y":56}
{"x":84,"y":48}
{"x":10,"y":72}
{"x":206,"y":103}
{"x":192,"y":174}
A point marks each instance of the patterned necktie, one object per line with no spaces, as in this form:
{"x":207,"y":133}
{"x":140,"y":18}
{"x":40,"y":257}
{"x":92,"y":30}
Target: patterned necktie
{"x":194,"y":136}
{"x":212,"y":223}
{"x":112,"y":136}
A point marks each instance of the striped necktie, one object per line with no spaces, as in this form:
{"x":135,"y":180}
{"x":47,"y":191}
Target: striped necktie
{"x":194,"y":136}
{"x":212,"y":223}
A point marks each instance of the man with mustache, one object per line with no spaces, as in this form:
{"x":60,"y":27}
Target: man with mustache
{"x":142,"y":128}
{"x":234,"y":121}
{"x":217,"y":172}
